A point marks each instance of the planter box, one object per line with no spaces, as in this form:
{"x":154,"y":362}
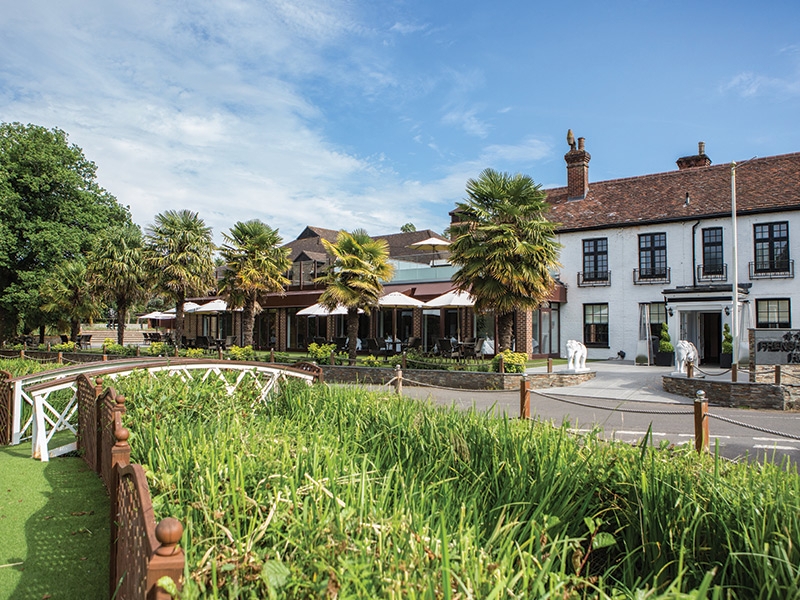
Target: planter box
{"x":664,"y":359}
{"x":725,"y":360}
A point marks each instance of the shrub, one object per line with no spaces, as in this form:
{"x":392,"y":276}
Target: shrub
{"x":513,"y":362}
{"x":237,"y":353}
{"x":665,"y":344}
{"x":727,"y":340}
{"x":112,"y":347}
{"x":65,"y":347}
{"x":321,"y":352}
{"x":641,"y":359}
{"x":193,"y":353}
{"x":157,"y":349}
{"x":371,"y":361}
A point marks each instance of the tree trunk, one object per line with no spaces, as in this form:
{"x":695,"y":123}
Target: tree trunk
{"x":505,"y":327}
{"x":352,"y":333}
{"x":122,"y":316}
{"x":248,"y":320}
{"x":75,"y":330}
{"x":179,"y":320}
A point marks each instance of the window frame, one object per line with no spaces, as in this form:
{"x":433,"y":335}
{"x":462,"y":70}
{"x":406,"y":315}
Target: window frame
{"x":596,"y":329}
{"x":653,"y":255}
{"x":592,"y":257}
{"x":763,"y":306}
{"x":713,"y":251}
{"x":767,"y":247}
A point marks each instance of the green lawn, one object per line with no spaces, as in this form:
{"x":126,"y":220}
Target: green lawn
{"x":54,"y":527}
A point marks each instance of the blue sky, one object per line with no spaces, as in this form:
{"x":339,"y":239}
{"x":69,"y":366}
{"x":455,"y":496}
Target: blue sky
{"x":370,"y":113}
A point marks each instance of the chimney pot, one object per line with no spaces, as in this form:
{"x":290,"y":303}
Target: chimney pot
{"x":701,"y":148}
{"x":577,"y":171}
{"x":581,"y":142}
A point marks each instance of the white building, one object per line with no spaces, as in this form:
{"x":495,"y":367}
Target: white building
{"x":643,"y":250}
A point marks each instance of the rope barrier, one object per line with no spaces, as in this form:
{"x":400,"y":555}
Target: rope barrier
{"x":725,"y":372}
{"x":441,"y":387}
{"x":753,"y":427}
{"x":617,"y":409}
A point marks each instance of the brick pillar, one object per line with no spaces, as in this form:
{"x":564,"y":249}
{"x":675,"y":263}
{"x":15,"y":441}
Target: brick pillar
{"x":523,"y":337}
{"x":281,"y":329}
{"x":417,"y":322}
{"x":330,"y":329}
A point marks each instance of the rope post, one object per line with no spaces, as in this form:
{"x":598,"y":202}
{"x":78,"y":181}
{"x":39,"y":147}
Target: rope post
{"x":219,"y":353}
{"x":403,"y":360}
{"x":60,"y":358}
{"x":689,"y":370}
{"x":176,"y":351}
{"x":333,"y":357}
{"x":48,"y":346}
{"x":22,"y":354}
{"x":549,"y":365}
{"x":501,"y":365}
{"x":398,"y":380}
{"x":272,"y":355}
{"x":524,"y":398}
{"x":700,"y":421}
{"x":105,"y":357}
{"x":777,"y":374}
{"x":734,"y":373}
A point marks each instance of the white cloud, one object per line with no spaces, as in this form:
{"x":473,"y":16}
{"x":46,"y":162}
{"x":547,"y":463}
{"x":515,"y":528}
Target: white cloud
{"x":467,"y":120}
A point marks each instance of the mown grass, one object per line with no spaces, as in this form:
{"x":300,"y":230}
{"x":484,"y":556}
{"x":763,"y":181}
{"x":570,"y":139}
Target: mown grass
{"x":54,"y":528}
{"x":341,"y":493}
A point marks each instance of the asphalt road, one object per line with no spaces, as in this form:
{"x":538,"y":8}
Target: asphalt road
{"x":625,"y":400}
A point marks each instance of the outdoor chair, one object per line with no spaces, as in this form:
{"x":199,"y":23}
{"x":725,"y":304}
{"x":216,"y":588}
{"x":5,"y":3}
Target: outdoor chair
{"x":446,"y":349}
{"x":375,"y":348}
{"x":414,"y":343}
{"x":84,"y":341}
{"x":64,"y":338}
{"x":341,"y":344}
{"x":230,"y":340}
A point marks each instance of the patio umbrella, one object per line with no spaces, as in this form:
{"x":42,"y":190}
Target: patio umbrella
{"x":156,"y":315}
{"x":318,"y":310}
{"x":452,"y":299}
{"x":213,"y":307}
{"x":395,"y":300}
{"x":434,"y":244}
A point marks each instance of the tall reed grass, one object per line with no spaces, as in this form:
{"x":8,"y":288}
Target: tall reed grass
{"x":335,"y":492}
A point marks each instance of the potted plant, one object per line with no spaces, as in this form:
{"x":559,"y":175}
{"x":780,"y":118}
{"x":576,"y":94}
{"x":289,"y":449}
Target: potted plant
{"x":665,"y":348}
{"x":726,"y":357}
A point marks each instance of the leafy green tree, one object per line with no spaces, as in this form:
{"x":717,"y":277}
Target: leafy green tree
{"x":68,"y":296}
{"x":408,"y":228}
{"x":179,"y":251}
{"x":504,"y":247}
{"x":254,"y":264}
{"x":51,"y":207}
{"x":118,"y":272}
{"x":355,"y":279}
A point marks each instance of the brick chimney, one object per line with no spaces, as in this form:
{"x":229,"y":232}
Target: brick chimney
{"x":577,"y":169}
{"x":699,"y":160}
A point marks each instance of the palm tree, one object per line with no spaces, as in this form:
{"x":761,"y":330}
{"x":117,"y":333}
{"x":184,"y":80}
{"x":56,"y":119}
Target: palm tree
{"x":255,"y":263}
{"x":68,"y":295}
{"x":118,"y":271}
{"x":179,"y":250}
{"x":354,"y":280}
{"x":504,"y":246}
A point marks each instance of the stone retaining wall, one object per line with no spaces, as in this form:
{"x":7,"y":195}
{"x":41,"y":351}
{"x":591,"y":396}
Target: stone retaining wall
{"x":466,"y":380}
{"x":736,"y":395}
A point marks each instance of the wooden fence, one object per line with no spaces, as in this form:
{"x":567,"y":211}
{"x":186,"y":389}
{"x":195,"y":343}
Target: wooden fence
{"x":6,"y":404}
{"x":141,"y":551}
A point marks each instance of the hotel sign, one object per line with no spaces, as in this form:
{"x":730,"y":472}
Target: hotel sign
{"x":777,"y":346}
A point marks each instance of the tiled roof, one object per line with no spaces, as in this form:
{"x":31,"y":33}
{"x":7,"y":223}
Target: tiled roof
{"x":762,"y":185}
{"x":309,"y":243}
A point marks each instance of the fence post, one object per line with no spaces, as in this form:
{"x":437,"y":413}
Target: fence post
{"x":219,"y":353}
{"x":549,"y":365}
{"x":60,"y":358}
{"x":524,"y":398}
{"x":734,"y":373}
{"x":333,"y":357}
{"x":700,"y":421}
{"x":403,"y":360}
{"x":168,"y":559}
{"x":48,"y":346}
{"x":398,"y":380}
{"x":138,"y":352}
{"x":501,"y":365}
{"x":272,"y":355}
{"x":777,"y":374}
{"x":689,"y":370}
{"x":22,"y":353}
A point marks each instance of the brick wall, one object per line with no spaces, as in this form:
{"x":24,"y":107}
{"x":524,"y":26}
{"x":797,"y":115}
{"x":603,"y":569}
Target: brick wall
{"x":738,"y":395}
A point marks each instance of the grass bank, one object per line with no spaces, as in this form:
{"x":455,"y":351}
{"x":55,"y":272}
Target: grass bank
{"x":330,"y":492}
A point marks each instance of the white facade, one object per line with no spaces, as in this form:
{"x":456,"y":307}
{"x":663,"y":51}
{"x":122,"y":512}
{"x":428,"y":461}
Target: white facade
{"x":699,"y":305}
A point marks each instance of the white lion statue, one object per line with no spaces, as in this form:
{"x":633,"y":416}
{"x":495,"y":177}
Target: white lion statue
{"x":685,"y":352}
{"x":576,"y":353}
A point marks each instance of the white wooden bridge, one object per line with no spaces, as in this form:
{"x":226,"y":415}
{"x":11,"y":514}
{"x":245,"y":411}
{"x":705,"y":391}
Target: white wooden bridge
{"x":31,"y":393}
